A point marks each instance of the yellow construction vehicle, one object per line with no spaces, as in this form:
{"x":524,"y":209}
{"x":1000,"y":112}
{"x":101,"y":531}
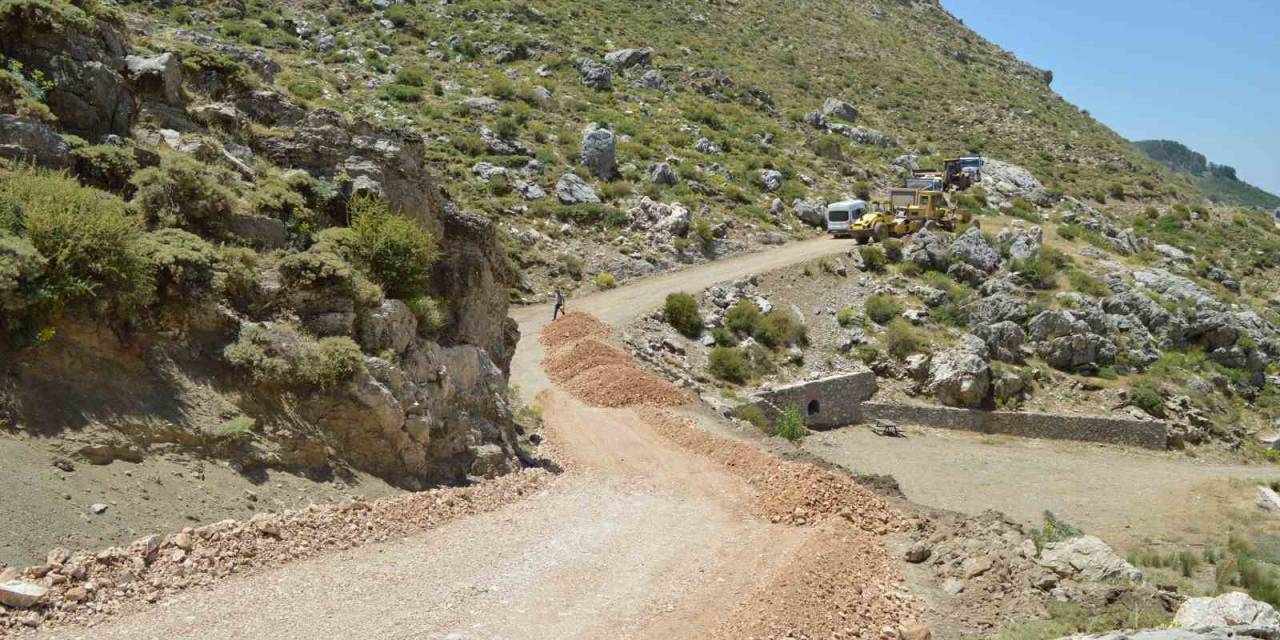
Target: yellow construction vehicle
{"x":876,"y":223}
{"x":916,"y":207}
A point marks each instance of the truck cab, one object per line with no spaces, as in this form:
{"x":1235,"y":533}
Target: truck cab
{"x":840,"y":215}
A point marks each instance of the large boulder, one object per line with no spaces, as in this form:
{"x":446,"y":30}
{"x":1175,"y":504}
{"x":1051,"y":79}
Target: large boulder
{"x":662,"y":173}
{"x":836,"y":108}
{"x":571,"y":189}
{"x":595,"y":75}
{"x":662,"y":218}
{"x":1003,"y":339}
{"x":626,"y":58}
{"x":391,"y":326}
{"x":1227,"y":610}
{"x":929,"y":250}
{"x":1004,"y":181}
{"x":28,"y":140}
{"x":973,"y":249}
{"x":599,"y":149}
{"x":158,"y":77}
{"x":1087,"y":558}
{"x":809,"y":211}
{"x":770,"y":179}
{"x":21,"y":594}
{"x":85,"y":68}
{"x":1066,"y":341}
{"x":959,"y":378}
{"x":1176,"y":287}
{"x":1024,"y":244}
{"x":997,"y":308}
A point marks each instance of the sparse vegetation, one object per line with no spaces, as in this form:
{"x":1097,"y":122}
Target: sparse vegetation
{"x":681,"y":311}
{"x":791,"y":426}
{"x":882,"y":308}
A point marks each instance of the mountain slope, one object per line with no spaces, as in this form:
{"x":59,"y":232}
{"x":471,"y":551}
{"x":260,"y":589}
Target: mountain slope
{"x":1218,"y":182}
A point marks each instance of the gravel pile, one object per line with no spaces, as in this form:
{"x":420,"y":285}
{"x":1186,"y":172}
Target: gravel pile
{"x":794,"y":493}
{"x":83,"y":587}
{"x":571,"y":327}
{"x":598,"y":374}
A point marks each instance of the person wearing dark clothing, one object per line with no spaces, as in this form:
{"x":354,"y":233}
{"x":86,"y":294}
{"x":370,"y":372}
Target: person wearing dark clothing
{"x":559,"y":308}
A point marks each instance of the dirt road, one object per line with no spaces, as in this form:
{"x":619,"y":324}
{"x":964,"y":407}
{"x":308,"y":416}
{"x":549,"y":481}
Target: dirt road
{"x":640,"y":538}
{"x":1127,"y":497}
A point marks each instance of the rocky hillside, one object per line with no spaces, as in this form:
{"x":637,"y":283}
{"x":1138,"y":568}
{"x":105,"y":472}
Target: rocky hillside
{"x":738,"y":120}
{"x":193,"y":264}
{"x":1218,"y":182}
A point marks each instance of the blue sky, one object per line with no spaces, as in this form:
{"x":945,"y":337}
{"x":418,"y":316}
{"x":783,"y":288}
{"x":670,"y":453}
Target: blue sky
{"x":1205,"y":73}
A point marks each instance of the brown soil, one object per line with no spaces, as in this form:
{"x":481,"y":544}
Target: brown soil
{"x":573,"y":326}
{"x":597,"y":373}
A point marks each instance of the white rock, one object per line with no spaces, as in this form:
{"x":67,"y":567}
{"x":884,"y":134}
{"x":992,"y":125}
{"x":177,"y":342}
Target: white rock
{"x":1229,"y":610}
{"x":1089,"y":557}
{"x":21,"y":594}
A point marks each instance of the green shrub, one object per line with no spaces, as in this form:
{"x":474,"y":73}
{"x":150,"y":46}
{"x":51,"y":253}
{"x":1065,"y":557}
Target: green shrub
{"x":236,"y":426}
{"x":184,"y":192}
{"x":500,"y":86}
{"x":730,"y":363}
{"x":400,"y":15}
{"x":791,"y":425}
{"x":91,"y":243}
{"x":1040,"y":272}
{"x":1087,"y":284}
{"x":23,"y":94}
{"x":754,"y":415}
{"x":571,"y":265}
{"x":401,"y":93}
{"x":278,"y":354}
{"x":21,"y":268}
{"x":901,"y":339}
{"x":276,"y":198}
{"x":780,"y":328}
{"x":104,"y":166}
{"x":743,"y":317}
{"x":238,"y":273}
{"x":1146,"y":397}
{"x":724,"y":337}
{"x":847,"y":316}
{"x":873,"y":257}
{"x":431,"y":314}
{"x":185,"y":266}
{"x":320,"y":267}
{"x":1053,"y":530}
{"x":882,"y":308}
{"x":393,"y":250}
{"x":681,"y":311}
{"x":605,"y":281}
{"x":892,"y":249}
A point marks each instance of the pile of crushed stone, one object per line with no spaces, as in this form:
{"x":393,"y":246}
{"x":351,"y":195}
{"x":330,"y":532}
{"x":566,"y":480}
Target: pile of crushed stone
{"x":599,"y":374}
{"x":795,"y":493}
{"x":571,"y":327}
{"x":80,"y":588}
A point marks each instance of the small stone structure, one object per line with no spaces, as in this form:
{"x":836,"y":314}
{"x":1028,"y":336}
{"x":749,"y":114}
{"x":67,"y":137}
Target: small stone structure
{"x":835,"y":401}
{"x":843,"y":400}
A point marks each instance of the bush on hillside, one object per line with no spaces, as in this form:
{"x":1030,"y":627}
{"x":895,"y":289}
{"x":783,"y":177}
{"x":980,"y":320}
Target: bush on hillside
{"x":873,"y":257}
{"x":781,"y":328}
{"x":892,"y":249}
{"x":681,"y":311}
{"x":730,"y":364}
{"x":901,"y":339}
{"x":791,"y":425}
{"x":278,"y":354}
{"x":605,"y":281}
{"x":742,"y":317}
{"x":92,"y":245}
{"x":882,"y":308}
{"x":432,"y":315}
{"x":104,"y":166}
{"x":393,"y":250}
{"x":1147,"y":397}
{"x":185,"y":266}
{"x":21,"y":267}
{"x":185,"y":193}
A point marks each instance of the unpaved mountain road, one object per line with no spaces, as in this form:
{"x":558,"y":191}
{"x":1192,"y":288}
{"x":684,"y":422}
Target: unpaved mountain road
{"x":638,"y":539}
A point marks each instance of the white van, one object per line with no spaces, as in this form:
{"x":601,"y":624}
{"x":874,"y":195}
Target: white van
{"x":842,"y":214}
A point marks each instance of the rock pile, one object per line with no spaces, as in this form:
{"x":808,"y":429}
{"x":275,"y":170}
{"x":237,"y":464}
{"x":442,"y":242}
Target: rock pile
{"x":598,"y":374}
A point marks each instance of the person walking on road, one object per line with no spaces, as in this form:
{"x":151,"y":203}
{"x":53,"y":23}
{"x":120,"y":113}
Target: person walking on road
{"x":559,"y":308}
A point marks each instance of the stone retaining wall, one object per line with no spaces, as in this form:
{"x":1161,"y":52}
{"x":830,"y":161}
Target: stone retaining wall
{"x":1150,"y":434}
{"x":843,"y":400}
